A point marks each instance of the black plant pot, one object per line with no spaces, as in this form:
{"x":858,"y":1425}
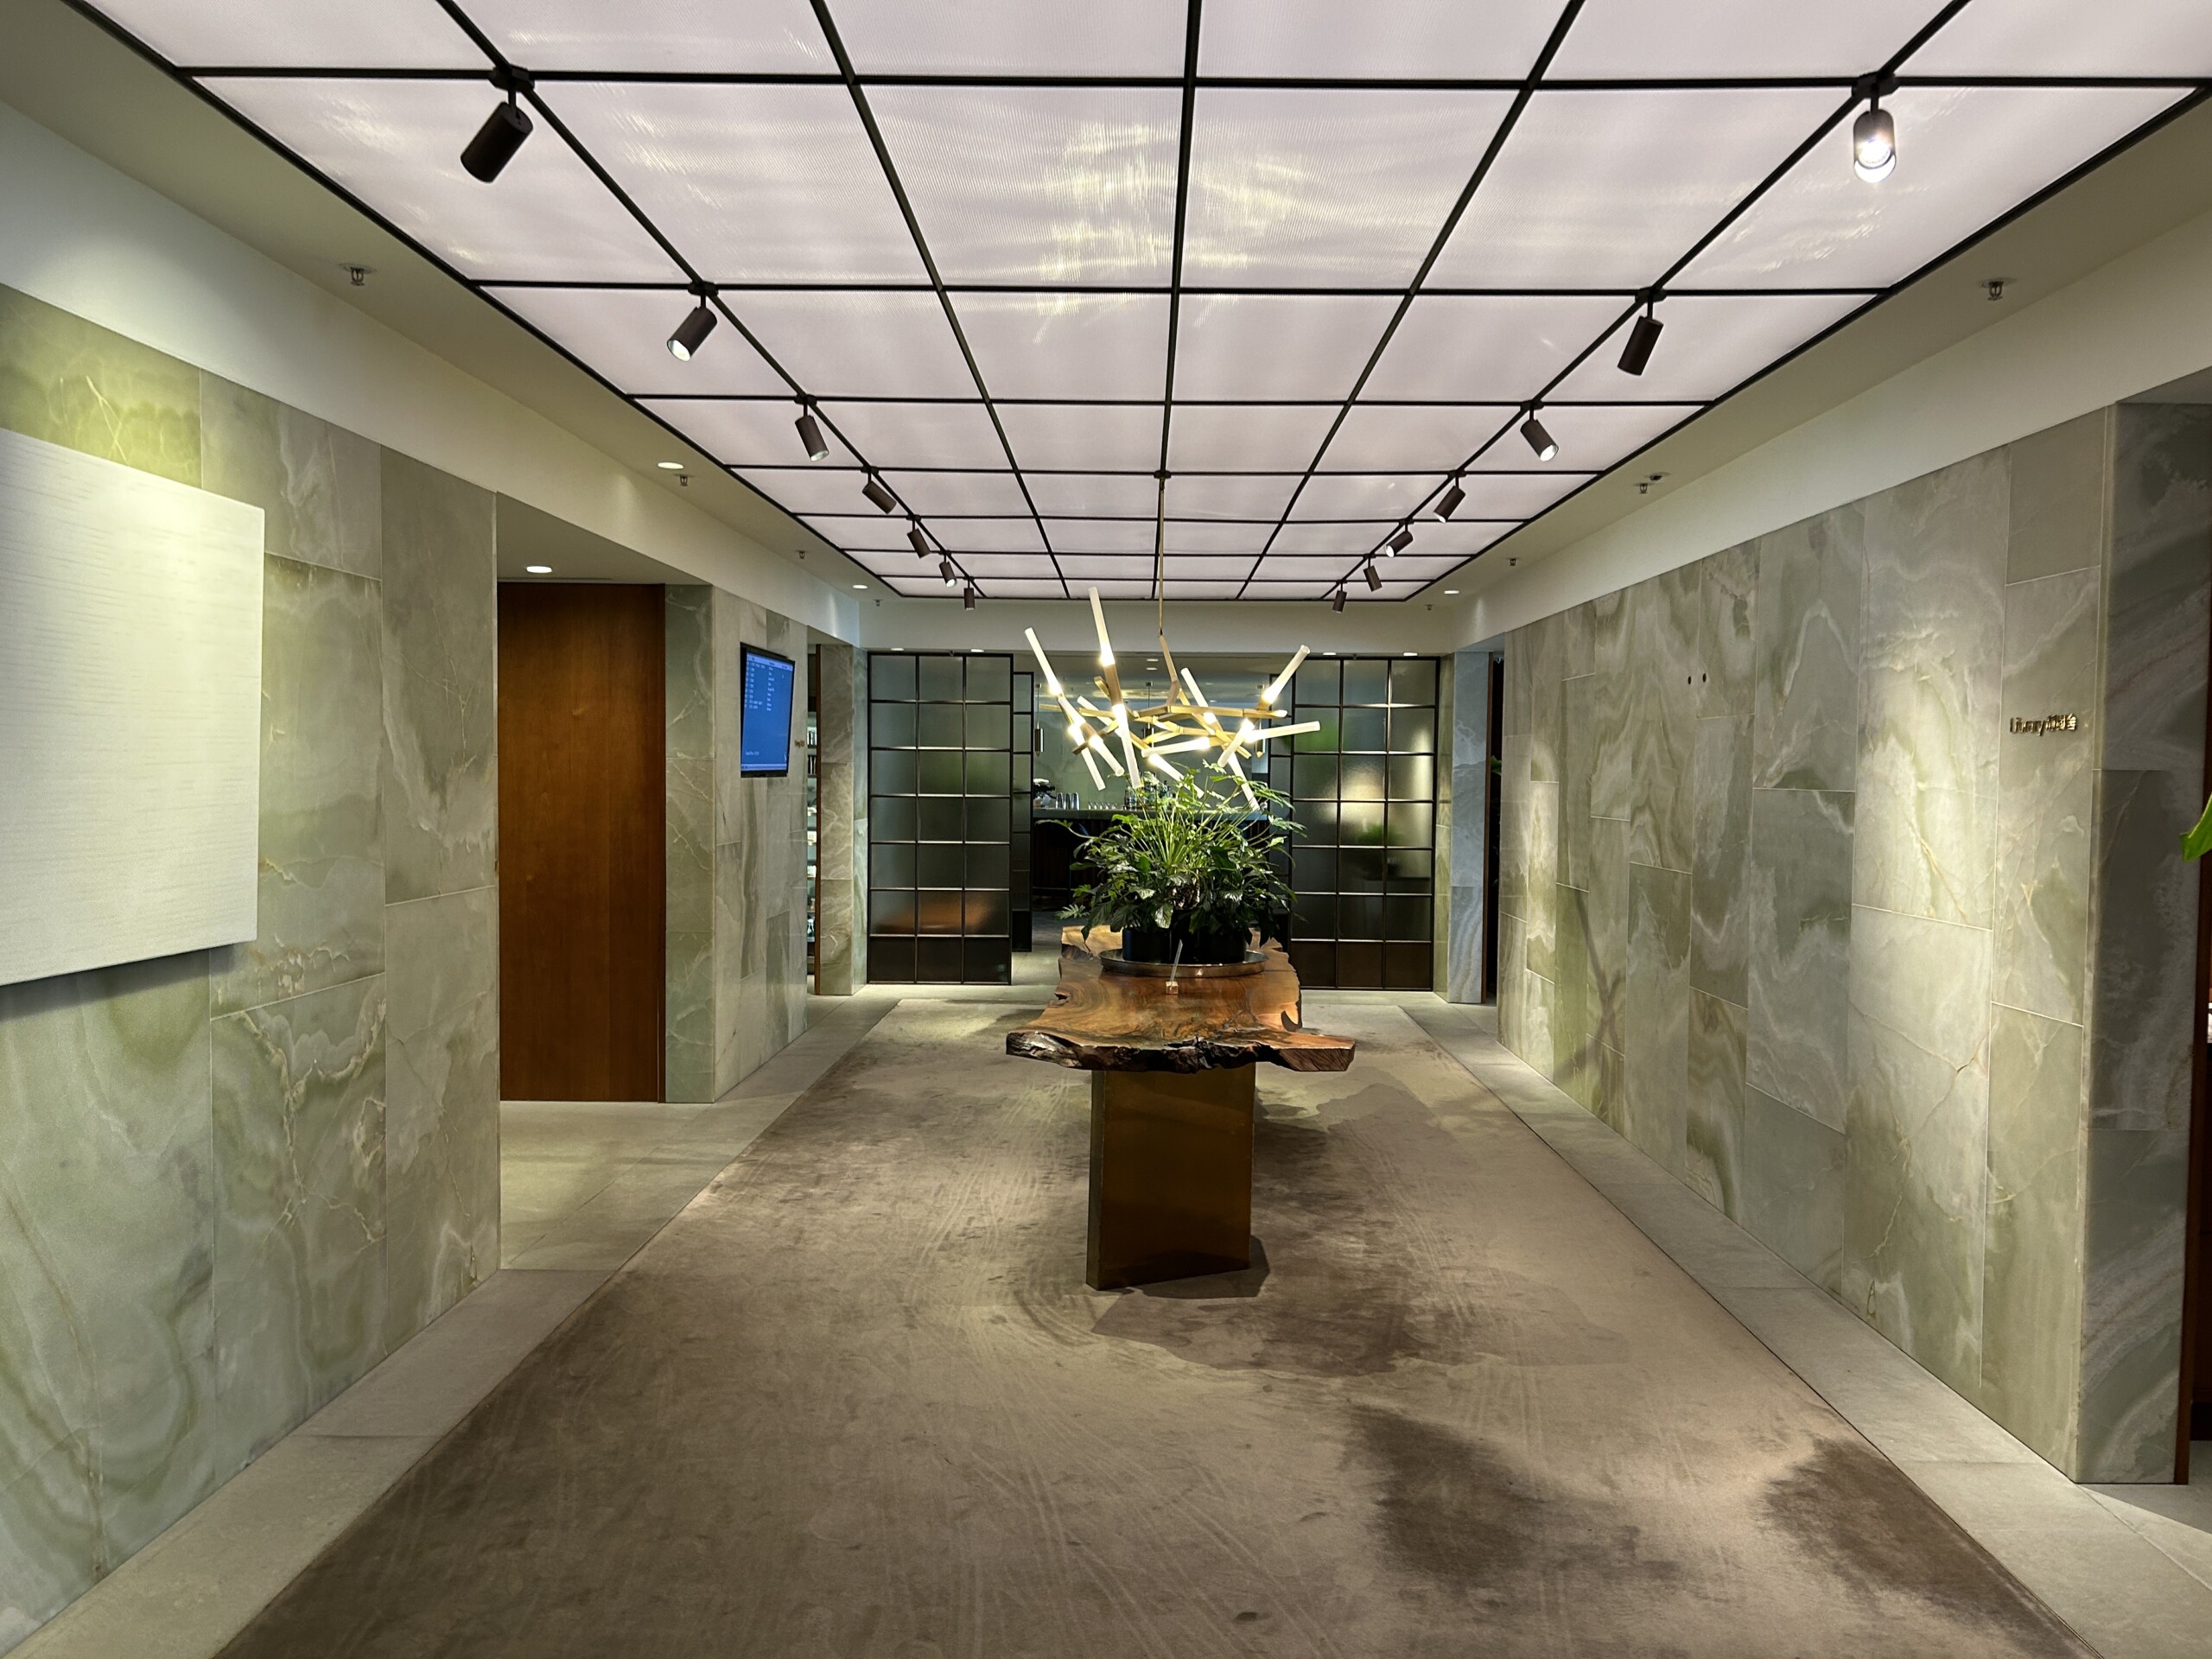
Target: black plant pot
{"x":1199,"y":949}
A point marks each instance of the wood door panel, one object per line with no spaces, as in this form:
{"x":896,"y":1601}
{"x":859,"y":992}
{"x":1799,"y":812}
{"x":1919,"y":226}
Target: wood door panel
{"x":582,"y":849}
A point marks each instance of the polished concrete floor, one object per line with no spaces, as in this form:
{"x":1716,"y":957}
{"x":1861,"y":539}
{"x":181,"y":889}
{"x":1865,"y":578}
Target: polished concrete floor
{"x":855,"y":1400}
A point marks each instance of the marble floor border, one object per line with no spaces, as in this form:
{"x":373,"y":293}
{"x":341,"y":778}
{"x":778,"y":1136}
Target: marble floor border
{"x":2129,"y":1567}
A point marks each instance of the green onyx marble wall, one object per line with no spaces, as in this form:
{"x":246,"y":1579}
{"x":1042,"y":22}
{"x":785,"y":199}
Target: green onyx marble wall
{"x":1786,"y":901}
{"x":232,"y":1181}
{"x":689,"y":1071}
{"x":839,"y":901}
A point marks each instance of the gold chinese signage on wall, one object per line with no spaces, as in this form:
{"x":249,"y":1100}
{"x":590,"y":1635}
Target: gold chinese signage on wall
{"x":2037,"y":727}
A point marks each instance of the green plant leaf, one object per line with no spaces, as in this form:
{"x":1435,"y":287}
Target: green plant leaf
{"x":2199,"y":841}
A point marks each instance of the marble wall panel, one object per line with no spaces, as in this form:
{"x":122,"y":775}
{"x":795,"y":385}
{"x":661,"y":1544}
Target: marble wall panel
{"x":2046,"y":796}
{"x":107,"y":1247}
{"x":1663,"y":625}
{"x":72,"y":383}
{"x":1573,"y":1017}
{"x":1916,"y":1138}
{"x":1657,"y":1015}
{"x":688,"y":1058}
{"x":1721,"y":819}
{"x":1471,"y":777}
{"x":1805,"y":690}
{"x":1713,"y":1131}
{"x":442,"y":1136}
{"x":320,"y":487}
{"x":1798,"y":961}
{"x":1604,"y":922}
{"x":2134,"y":1246}
{"x":1726,"y":664}
{"x":1931,"y":653}
{"x":834,"y":822}
{"x":1578,"y":709}
{"x":1790,"y":1187}
{"x":49,"y":1539}
{"x":321,"y":872}
{"x":2158,"y":611}
{"x":1612,"y":746}
{"x":1541,"y":907}
{"x":441,"y":794}
{"x":2031,"y":1271}
{"x":2059,"y":507}
{"x":1513,"y":826}
{"x":2142,"y":1025}
{"x":1543,"y":644}
{"x":1512,"y":973}
{"x":299,"y":1139}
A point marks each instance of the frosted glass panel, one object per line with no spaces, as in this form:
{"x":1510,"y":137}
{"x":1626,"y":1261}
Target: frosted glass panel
{"x":1085,"y":495}
{"x":1492,"y":348}
{"x":1364,"y":495}
{"x":1608,"y":189}
{"x":1623,"y":39}
{"x":1709,"y":346}
{"x":884,"y":533}
{"x":754,"y":183}
{"x":1375,"y":437}
{"x":739,"y":434}
{"x":860,"y":345}
{"x":1024,"y":185}
{"x":397,"y":144}
{"x":1965,"y":155}
{"x":1081,"y":567}
{"x":1384,"y":39}
{"x":1327,"y":187}
{"x":1079,"y":436}
{"x":1461,"y":536}
{"x":807,"y":489}
{"x":1322,"y":550}
{"x":1516,"y":495}
{"x":963,"y":535}
{"x":331,"y":33}
{"x":2052,"y":37}
{"x":961,"y":492}
{"x":1195,"y":496}
{"x":1591,"y":437}
{"x":1248,"y":437}
{"x":982,"y":565}
{"x":130,"y":713}
{"x":693,"y":36}
{"x":1276,"y":345}
{"x":1095,"y":535}
{"x":1041,"y":37}
{"x":920,"y":435}
{"x":622,"y":332}
{"x":1067,"y":345}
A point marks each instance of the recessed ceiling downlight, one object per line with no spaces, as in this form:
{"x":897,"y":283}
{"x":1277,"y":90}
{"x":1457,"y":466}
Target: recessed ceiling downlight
{"x":538,"y":569}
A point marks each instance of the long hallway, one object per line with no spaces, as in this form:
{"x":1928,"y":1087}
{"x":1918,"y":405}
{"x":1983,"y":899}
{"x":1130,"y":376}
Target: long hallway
{"x":857,"y":1400}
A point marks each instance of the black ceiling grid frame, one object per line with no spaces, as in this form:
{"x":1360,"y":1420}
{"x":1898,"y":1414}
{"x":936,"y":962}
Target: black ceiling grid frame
{"x":1196,"y":19}
{"x":1522,"y":91}
{"x":2198,"y":93}
{"x":1114,"y":502}
{"x":937,"y":282}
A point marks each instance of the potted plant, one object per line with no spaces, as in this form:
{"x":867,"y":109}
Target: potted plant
{"x":1185,"y":873}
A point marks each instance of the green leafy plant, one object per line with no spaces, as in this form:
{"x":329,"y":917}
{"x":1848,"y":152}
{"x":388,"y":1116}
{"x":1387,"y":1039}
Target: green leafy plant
{"x":1184,"y":864}
{"x":2199,"y":841}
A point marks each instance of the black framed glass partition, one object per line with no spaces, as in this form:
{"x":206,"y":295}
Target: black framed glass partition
{"x":1363,"y":790}
{"x":940,"y":817}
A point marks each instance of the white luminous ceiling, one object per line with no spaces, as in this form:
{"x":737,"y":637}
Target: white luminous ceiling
{"x":1316,"y":260}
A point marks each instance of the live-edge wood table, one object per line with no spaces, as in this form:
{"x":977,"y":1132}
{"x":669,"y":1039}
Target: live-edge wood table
{"x":1171,"y":1059}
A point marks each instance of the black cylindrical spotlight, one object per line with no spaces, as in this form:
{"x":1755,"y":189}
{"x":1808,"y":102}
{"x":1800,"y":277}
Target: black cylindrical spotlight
{"x":1454,"y":496}
{"x":1374,"y":577}
{"x":1540,"y":439}
{"x":967,"y":599}
{"x":882,"y":498}
{"x":810,"y":433}
{"x":1641,"y":339}
{"x":1399,"y":543}
{"x":944,"y":569}
{"x":691,"y":334}
{"x":1337,"y":599}
{"x":1874,"y":144}
{"x":919,"y":541}
{"x":496,"y":140}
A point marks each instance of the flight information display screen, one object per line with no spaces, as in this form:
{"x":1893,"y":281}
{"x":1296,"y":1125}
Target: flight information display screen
{"x":764,"y":732}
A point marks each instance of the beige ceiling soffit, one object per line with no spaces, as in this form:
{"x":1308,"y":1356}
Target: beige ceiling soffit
{"x":73,"y":78}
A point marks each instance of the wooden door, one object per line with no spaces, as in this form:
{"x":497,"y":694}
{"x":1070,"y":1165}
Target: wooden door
{"x":583,"y":854}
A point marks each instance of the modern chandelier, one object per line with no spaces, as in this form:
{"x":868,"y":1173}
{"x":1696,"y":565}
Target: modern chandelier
{"x":1183,"y":721}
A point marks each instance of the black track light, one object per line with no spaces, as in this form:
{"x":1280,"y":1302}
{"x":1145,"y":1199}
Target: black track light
{"x":944,"y":569}
{"x":810,"y":433}
{"x":1540,"y":439}
{"x":1874,"y":134}
{"x":967,"y":599}
{"x":1641,"y":337}
{"x":691,"y":334}
{"x":882,"y":498}
{"x":1374,"y":577}
{"x":1336,"y":599}
{"x":1399,"y":543}
{"x":502,"y":133}
{"x":919,"y":541}
{"x":1454,"y":496}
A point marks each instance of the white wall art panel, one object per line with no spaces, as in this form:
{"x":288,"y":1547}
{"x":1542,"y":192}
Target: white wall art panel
{"x":130,"y":713}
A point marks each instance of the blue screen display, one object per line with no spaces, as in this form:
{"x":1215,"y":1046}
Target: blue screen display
{"x":764,"y":732}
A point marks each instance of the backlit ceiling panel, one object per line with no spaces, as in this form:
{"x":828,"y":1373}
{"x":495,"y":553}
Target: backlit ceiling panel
{"x":1315,"y":261}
